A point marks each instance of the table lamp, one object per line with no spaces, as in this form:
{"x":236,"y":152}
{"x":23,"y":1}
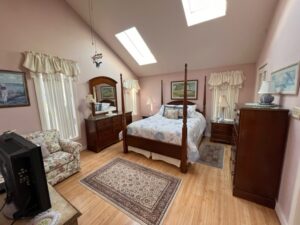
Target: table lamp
{"x":223,"y":104}
{"x":266,"y":90}
{"x":150,"y":102}
{"x":89,"y":99}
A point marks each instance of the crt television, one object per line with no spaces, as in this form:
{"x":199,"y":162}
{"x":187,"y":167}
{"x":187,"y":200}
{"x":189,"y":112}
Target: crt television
{"x":21,"y":165}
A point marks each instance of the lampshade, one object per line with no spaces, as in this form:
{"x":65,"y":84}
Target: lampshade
{"x":223,"y":101}
{"x":149,"y":101}
{"x":90,"y":99}
{"x":266,"y":88}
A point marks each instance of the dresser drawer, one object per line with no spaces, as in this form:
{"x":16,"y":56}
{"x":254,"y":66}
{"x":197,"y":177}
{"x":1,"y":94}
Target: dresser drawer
{"x":222,"y":132}
{"x":103,"y":131}
{"x":222,"y":127}
{"x":104,"y":124}
{"x":117,"y":121}
{"x":221,"y":138}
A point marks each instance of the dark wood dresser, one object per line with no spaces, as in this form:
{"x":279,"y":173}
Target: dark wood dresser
{"x":103,"y":131}
{"x":221,"y":131}
{"x":258,"y":152}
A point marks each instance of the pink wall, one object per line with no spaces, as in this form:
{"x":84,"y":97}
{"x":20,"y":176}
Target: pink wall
{"x":150,"y":87}
{"x":282,"y":49}
{"x":54,"y":28}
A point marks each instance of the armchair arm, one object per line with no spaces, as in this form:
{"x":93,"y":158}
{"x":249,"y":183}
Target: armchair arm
{"x":70,"y":146}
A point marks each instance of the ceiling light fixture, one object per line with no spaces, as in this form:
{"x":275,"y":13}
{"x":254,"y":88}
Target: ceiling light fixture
{"x":199,"y":11}
{"x":136,"y":46}
{"x":97,"y":57}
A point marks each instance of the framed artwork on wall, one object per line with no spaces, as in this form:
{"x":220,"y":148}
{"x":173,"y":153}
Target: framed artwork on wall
{"x":178,"y":86}
{"x":107,"y":92}
{"x":286,"y":80}
{"x":13,"y":89}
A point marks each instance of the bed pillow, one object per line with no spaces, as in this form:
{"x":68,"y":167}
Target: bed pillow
{"x":171,"y":114}
{"x":191,"y":109}
{"x":167,"y":108}
{"x":161,"y":110}
{"x":39,"y":142}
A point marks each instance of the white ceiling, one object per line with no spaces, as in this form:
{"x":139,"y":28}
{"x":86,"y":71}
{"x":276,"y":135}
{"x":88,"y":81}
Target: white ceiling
{"x":236,"y":38}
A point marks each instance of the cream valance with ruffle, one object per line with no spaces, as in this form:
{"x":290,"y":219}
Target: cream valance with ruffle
{"x":231,"y":78}
{"x":131,"y":84}
{"x":43,"y":63}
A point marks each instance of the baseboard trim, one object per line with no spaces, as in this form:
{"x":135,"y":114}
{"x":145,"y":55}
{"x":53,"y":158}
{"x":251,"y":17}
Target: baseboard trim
{"x":280,"y":214}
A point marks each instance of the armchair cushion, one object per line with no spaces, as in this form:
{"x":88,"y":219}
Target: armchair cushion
{"x":50,"y":138}
{"x":57,"y":160}
{"x":70,"y":146}
{"x":44,"y":149}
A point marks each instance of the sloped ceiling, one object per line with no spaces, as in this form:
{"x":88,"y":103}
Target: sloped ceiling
{"x":236,"y":38}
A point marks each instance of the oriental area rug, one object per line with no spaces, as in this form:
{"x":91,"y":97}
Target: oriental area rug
{"x":142,"y":193}
{"x":212,"y":155}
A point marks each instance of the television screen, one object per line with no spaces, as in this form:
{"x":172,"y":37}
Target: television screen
{"x":21,"y":165}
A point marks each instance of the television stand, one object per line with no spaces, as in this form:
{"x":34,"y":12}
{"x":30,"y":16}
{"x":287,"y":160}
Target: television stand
{"x":69,"y":213}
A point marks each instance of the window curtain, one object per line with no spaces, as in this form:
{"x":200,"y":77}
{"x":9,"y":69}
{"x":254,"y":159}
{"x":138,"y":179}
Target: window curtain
{"x":227,"y":84}
{"x":46,"y":64}
{"x":131,"y":89}
{"x":55,"y":92}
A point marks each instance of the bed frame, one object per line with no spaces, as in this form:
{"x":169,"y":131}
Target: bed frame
{"x":171,"y":150}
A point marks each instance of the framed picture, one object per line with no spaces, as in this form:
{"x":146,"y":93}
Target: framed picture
{"x":13,"y":89}
{"x":286,"y":80}
{"x":177,"y":90}
{"x":107,"y":92}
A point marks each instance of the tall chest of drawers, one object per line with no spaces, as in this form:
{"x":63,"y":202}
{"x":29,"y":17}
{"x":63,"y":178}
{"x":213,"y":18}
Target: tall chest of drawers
{"x":103,"y":131}
{"x":259,"y":139}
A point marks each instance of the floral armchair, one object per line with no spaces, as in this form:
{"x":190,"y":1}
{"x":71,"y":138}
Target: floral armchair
{"x":61,"y":157}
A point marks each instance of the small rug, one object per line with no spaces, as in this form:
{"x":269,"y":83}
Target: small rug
{"x":142,"y":193}
{"x":212,"y":155}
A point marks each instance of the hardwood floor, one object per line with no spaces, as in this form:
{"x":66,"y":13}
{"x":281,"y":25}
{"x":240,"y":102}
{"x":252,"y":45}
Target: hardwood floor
{"x":204,"y":198}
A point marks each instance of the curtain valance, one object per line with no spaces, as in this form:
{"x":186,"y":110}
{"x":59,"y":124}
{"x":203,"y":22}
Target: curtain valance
{"x":43,"y":63}
{"x":131,"y":84}
{"x":232,"y":78}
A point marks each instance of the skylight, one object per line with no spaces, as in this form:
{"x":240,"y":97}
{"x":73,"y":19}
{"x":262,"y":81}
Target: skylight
{"x":136,"y":46}
{"x":199,"y":11}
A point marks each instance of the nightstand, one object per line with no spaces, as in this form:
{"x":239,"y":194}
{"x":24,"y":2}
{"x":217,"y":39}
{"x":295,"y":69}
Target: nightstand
{"x":221,"y":131}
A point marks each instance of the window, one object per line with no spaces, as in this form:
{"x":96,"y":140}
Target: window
{"x":199,"y":11}
{"x":136,"y":46}
{"x":131,"y":90}
{"x":225,"y":85}
{"x":55,"y":95}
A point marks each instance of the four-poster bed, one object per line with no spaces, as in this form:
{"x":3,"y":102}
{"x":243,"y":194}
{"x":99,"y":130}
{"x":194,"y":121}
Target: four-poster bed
{"x":177,"y":151}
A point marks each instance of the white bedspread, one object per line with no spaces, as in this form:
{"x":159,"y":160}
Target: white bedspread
{"x":166,"y":130}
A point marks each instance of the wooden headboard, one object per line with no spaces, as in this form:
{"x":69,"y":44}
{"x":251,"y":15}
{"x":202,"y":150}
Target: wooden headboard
{"x":180,"y":102}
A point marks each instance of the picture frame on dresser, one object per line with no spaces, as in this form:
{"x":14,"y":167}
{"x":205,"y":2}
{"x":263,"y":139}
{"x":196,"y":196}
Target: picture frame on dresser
{"x":13,"y":89}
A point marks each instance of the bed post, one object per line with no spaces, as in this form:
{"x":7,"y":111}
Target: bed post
{"x":124,"y":127}
{"x":204,"y":98}
{"x":183,"y":163}
{"x":161,"y":92}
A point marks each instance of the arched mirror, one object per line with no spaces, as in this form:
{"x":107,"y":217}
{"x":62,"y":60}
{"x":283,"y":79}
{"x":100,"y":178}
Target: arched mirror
{"x":104,"y":92}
